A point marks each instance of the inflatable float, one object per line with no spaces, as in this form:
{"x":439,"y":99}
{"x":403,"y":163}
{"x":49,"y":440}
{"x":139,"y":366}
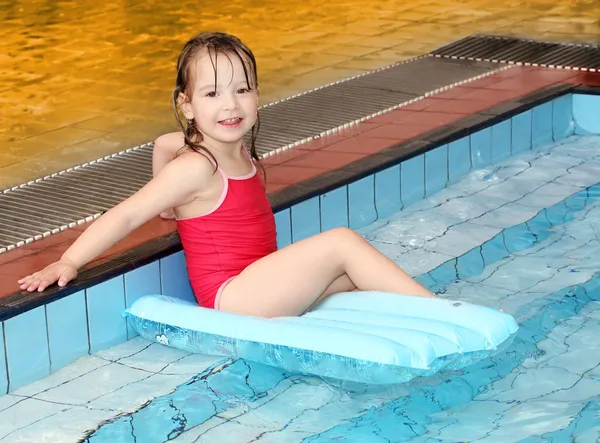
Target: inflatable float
{"x":365,"y":337}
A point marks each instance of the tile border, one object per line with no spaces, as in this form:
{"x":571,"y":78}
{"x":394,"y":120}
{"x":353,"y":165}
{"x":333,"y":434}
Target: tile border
{"x":418,"y":145}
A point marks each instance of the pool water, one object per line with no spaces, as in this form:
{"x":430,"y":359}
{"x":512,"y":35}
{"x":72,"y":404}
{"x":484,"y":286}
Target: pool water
{"x":522,"y":235}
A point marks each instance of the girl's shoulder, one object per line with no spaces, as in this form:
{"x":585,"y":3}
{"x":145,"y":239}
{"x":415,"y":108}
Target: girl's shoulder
{"x":171,"y":141}
{"x":191,"y":164}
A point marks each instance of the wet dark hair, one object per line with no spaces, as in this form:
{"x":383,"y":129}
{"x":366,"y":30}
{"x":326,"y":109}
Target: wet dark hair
{"x":215,"y":43}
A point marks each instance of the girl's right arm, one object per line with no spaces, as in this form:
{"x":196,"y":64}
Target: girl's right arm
{"x":165,"y":150}
{"x":177,"y":184}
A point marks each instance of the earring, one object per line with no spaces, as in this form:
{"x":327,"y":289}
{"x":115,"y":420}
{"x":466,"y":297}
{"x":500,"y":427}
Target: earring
{"x":190,"y":122}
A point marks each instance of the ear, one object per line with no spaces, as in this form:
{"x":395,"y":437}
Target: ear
{"x":185,"y":105}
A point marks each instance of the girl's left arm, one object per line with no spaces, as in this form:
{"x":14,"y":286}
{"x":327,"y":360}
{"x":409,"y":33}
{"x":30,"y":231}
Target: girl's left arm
{"x":175,"y":185}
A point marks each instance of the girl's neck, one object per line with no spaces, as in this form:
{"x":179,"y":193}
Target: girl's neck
{"x":225,"y":150}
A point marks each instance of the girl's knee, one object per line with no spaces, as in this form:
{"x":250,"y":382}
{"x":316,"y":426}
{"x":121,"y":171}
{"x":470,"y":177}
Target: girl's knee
{"x":343,"y":236}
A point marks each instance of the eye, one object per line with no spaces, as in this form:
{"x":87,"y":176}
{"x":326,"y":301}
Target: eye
{"x":211,"y":94}
{"x":243,"y":90}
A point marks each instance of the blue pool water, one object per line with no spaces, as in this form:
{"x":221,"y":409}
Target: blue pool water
{"x":522,"y":235}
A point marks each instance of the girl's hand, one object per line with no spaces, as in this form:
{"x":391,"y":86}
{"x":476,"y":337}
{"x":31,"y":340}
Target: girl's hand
{"x":62,"y":271}
{"x":168,"y":215}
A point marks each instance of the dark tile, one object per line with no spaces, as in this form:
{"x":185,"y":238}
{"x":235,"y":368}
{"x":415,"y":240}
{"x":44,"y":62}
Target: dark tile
{"x":414,"y":106}
{"x":503,"y":108}
{"x":92,"y":274}
{"x":471,"y":124}
{"x":18,"y":253}
{"x":514,"y":84}
{"x":432,"y":119}
{"x":552,"y":75}
{"x":457,"y":106}
{"x":8,"y":285}
{"x":356,"y":129}
{"x":398,"y":132}
{"x":286,"y":174}
{"x":325,"y":160}
{"x":273,"y":187}
{"x":407,"y":149}
{"x":283,"y":157}
{"x":33,"y":262}
{"x":589,"y":78}
{"x":585,"y":89}
{"x":360,"y":144}
{"x":491,"y":95}
{"x":548,"y":93}
{"x":482,"y":82}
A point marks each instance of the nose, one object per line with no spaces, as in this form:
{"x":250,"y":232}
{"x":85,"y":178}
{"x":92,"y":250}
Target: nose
{"x":230,"y":102}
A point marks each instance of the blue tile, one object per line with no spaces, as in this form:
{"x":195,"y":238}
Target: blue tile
{"x":306,"y":219}
{"x":562,"y":117}
{"x":27,"y":352}
{"x":174,"y":278}
{"x":436,"y":169}
{"x":140,"y":282}
{"x":361,"y":203}
{"x":443,"y":275}
{"x":412,"y":180}
{"x":470,"y":264}
{"x":427,"y":281}
{"x":576,"y":202}
{"x":387,"y":192}
{"x":481,"y":148}
{"x":541,"y":125}
{"x":105,"y":306}
{"x":334,"y":209}
{"x":521,"y":132}
{"x":540,"y":227}
{"x":3,"y":373}
{"x":558,"y":213}
{"x":501,"y":140}
{"x":518,"y":238}
{"x":459,"y":159}
{"x":494,"y":250}
{"x":283,"y":221}
{"x":67,"y":330}
{"x":585,"y":113}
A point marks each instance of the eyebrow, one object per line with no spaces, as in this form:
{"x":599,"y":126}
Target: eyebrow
{"x":213,"y":86}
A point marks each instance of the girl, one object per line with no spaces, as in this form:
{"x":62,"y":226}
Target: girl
{"x":224,"y":218}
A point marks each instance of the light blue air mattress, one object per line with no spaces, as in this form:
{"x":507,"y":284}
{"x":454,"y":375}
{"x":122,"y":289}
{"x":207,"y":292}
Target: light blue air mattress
{"x":366,"y":337}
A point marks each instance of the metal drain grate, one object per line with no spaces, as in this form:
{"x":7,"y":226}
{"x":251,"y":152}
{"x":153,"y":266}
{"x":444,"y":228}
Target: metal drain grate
{"x":318,"y":112}
{"x":584,"y":57}
{"x":52,"y":204}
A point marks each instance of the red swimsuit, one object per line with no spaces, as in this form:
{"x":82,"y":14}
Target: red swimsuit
{"x":219,"y":245}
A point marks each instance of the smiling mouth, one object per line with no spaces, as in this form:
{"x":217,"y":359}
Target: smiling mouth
{"x":231,"y":122}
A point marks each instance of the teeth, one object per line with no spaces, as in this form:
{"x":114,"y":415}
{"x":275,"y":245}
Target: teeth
{"x":231,"y":120}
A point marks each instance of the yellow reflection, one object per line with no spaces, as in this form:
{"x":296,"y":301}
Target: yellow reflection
{"x":85,"y":79}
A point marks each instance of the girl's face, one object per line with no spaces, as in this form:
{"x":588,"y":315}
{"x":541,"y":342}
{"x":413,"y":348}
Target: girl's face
{"x":223,"y":112}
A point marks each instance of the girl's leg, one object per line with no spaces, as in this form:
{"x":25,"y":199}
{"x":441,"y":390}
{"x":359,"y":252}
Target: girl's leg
{"x":293,"y":279}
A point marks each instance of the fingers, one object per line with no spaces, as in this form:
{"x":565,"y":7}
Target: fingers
{"x":39,"y":281}
{"x":66,"y":277}
{"x":62,"y":274}
{"x":31,"y":281}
